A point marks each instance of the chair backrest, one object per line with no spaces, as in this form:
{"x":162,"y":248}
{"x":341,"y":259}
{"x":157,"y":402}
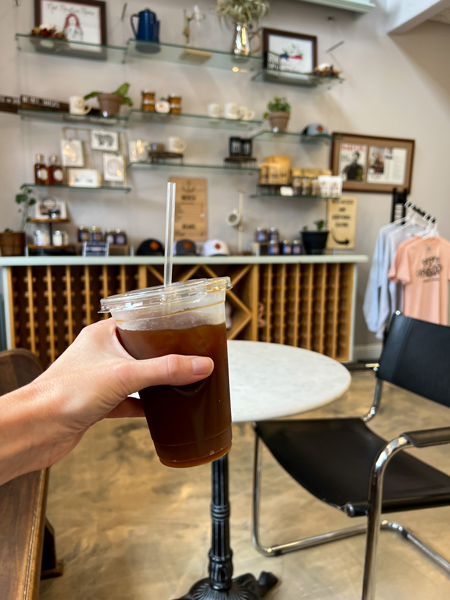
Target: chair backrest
{"x":17,"y":368}
{"x":416,"y":357}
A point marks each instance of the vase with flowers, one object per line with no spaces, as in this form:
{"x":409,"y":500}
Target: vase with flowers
{"x":244,"y":15}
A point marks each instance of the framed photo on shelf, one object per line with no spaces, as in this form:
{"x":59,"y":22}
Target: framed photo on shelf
{"x":372,"y":164}
{"x":113,"y":169}
{"x":50,"y":208}
{"x":288,"y":51}
{"x":106,"y":141}
{"x":72,"y":153}
{"x":81,"y":20}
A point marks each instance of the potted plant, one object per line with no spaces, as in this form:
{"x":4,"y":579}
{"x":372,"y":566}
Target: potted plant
{"x":110,"y":103}
{"x":12,"y":243}
{"x":314,"y":242}
{"x":244,"y":14}
{"x":278,"y":113}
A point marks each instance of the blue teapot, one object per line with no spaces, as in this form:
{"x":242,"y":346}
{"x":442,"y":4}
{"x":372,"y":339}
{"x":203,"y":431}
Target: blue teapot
{"x":148,"y":26}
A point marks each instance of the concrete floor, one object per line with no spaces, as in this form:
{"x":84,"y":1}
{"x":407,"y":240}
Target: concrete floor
{"x":129,"y":528}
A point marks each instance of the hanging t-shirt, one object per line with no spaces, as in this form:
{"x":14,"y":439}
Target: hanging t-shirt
{"x":423,"y":267}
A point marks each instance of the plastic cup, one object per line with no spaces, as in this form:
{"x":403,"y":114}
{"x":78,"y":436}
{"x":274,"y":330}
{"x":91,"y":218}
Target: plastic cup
{"x":190,"y":425}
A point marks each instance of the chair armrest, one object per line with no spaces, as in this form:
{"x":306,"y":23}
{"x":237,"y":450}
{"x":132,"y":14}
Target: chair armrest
{"x":428,"y":437}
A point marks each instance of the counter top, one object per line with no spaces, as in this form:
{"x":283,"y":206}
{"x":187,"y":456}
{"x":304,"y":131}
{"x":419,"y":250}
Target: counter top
{"x":14,"y":261}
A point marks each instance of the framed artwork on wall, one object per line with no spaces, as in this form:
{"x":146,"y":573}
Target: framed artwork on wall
{"x":372,"y":164}
{"x":81,"y":20}
{"x":50,"y":208}
{"x":289,"y":52}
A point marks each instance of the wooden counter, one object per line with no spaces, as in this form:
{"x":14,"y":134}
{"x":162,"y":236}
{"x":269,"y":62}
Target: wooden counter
{"x":305,"y":301}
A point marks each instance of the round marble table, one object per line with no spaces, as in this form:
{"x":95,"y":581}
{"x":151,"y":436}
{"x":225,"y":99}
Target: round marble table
{"x":267,"y":381}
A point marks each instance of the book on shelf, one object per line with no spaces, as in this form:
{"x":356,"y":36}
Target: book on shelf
{"x":9,"y":104}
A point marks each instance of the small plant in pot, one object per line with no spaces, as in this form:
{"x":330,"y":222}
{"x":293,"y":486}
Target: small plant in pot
{"x":110,"y":103}
{"x":314,"y":242}
{"x":12,"y":243}
{"x":278,"y":113}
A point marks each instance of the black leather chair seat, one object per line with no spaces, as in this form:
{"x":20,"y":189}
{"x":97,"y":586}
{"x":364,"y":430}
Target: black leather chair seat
{"x":332,"y":459}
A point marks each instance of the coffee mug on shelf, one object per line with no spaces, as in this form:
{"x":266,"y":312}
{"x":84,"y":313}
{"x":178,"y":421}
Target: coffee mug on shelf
{"x":176,"y":144}
{"x":232,"y":110}
{"x":246,"y":114}
{"x":78,"y":105}
{"x":214,"y":110}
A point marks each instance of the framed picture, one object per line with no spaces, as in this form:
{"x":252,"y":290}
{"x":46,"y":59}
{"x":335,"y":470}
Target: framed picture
{"x":288,"y":51}
{"x":72,"y":153}
{"x":372,"y":164}
{"x":106,"y":141}
{"x":113,"y":167}
{"x":50,"y":208}
{"x":138,"y":150}
{"x":81,"y":20}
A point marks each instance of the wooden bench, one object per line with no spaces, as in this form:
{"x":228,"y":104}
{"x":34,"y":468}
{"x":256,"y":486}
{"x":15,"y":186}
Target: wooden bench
{"x":27,"y":544}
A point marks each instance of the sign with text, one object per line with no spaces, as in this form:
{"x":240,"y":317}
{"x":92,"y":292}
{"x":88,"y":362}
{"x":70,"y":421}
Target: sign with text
{"x":341,"y":222}
{"x":95,"y":249}
{"x":190,"y":209}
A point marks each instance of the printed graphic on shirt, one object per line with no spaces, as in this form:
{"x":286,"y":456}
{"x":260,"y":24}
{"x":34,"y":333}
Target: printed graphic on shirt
{"x":430,"y":269}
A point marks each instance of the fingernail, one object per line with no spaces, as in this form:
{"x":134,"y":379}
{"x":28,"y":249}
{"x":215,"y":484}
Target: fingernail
{"x":202,"y":365}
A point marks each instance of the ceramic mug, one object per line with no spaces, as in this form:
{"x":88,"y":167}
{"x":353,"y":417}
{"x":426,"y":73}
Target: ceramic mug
{"x":232,"y":110}
{"x":246,"y":114}
{"x":214,"y":110}
{"x":78,"y":105}
{"x":176,"y":144}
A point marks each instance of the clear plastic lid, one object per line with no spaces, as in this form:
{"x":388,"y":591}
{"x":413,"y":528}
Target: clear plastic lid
{"x":179,"y":296}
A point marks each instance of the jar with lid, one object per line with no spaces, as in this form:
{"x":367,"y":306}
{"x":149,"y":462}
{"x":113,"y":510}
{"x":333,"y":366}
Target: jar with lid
{"x":83,"y":234}
{"x":274,"y":235}
{"x":40,"y":171}
{"x":296,"y":181}
{"x":120,"y":237}
{"x":55,"y":171}
{"x":41,"y":237}
{"x":274,"y":248}
{"x":306,"y":185}
{"x":296,"y":247}
{"x":60,"y":238}
{"x":109,"y":236}
{"x":315,"y":187}
{"x":96,"y":234}
{"x":286,"y":248}
{"x":261,"y":235}
{"x":148,"y":101}
{"x":175,"y":103}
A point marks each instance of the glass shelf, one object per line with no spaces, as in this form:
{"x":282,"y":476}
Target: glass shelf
{"x":295,"y":197}
{"x":175,"y":165}
{"x":73,"y":187}
{"x":27,"y":114}
{"x":200,"y":57}
{"x":300,"y":79}
{"x":204,"y":121}
{"x":295,"y":138}
{"x":55,"y":47}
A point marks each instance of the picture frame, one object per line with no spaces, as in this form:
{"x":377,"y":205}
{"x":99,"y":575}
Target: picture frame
{"x":113,"y":167}
{"x":81,"y":20}
{"x":370,"y":163}
{"x":106,"y":141}
{"x":84,"y":178}
{"x":72,"y":153}
{"x":288,"y":51}
{"x":50,"y":208}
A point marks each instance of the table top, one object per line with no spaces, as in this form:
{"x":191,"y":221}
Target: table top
{"x":268,"y":381}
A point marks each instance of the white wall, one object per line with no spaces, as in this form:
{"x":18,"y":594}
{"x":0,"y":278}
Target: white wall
{"x":395,"y":86}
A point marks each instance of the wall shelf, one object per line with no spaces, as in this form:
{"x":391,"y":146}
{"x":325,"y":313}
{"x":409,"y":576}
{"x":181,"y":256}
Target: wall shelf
{"x":55,"y":47}
{"x":298,"y":79}
{"x":27,"y":114}
{"x":295,"y":197}
{"x":294,"y":138}
{"x":199,"y":57}
{"x":83,"y":189}
{"x":174,"y":165}
{"x":187,"y":120}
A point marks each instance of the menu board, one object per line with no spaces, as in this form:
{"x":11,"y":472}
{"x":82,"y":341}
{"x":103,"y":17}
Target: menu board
{"x":341,"y":222}
{"x":190,"y":209}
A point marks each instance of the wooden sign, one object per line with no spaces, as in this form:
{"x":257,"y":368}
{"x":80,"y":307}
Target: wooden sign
{"x":190,"y":209}
{"x":341,"y":222}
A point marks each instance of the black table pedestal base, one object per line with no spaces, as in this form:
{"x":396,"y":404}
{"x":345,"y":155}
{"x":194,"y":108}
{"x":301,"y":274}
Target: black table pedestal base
{"x":245,"y":587}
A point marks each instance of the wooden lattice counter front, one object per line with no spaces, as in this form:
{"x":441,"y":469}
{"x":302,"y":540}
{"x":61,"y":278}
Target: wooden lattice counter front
{"x":300,"y":301}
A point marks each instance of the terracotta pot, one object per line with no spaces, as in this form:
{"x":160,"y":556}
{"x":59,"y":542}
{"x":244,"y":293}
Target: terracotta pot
{"x":110,"y":104}
{"x":12,"y":243}
{"x":278,"y":120}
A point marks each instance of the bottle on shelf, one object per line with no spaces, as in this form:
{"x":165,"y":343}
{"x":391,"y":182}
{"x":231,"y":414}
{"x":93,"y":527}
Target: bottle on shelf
{"x":40,"y":171}
{"x":55,"y":171}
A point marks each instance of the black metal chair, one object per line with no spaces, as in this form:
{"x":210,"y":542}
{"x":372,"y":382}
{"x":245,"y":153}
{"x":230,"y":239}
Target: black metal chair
{"x":343,"y":463}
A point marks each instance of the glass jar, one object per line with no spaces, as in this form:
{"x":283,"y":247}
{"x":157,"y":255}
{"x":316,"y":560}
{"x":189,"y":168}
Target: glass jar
{"x":315,"y":187}
{"x":274,"y":235}
{"x":55,"y":171}
{"x":297,"y":181}
{"x":306,"y":186}
{"x":96,"y":234}
{"x":120,"y":237}
{"x":41,"y":237}
{"x":60,"y":238}
{"x":148,"y":101}
{"x":274,"y":248}
{"x":40,"y":171}
{"x":109,"y":237}
{"x":286,"y":248}
{"x":261,"y":235}
{"x":296,"y":247}
{"x":83,"y":234}
{"x":175,"y":103}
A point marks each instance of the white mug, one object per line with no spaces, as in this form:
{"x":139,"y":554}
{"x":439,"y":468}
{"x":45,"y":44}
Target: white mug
{"x":175,"y":144}
{"x":246,"y":114}
{"x":232,"y":110}
{"x":78,"y":105}
{"x":214,"y":110}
